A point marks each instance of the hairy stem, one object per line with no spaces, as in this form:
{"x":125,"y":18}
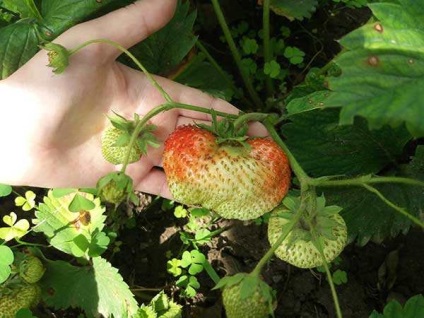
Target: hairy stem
{"x":325,"y":182}
{"x":266,"y":43}
{"x":329,"y":277}
{"x":304,"y":179}
{"x":236,"y":54}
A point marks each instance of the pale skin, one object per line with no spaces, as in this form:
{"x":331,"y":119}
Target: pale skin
{"x":51,"y":124}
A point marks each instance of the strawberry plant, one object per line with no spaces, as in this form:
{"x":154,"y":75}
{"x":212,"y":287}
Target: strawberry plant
{"x":340,"y":167}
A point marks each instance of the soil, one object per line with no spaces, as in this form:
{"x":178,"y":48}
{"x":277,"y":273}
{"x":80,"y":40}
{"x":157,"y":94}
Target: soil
{"x":376,"y":273}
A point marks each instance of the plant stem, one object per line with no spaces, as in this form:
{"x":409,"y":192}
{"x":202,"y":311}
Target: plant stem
{"x":132,"y":57}
{"x":211,"y":272}
{"x":287,"y":229}
{"x":224,"y":75}
{"x":325,"y":182}
{"x":236,"y":54}
{"x":304,"y":179}
{"x":330,"y":279}
{"x":248,"y":117}
{"x":266,"y":43}
{"x":394,"y":206}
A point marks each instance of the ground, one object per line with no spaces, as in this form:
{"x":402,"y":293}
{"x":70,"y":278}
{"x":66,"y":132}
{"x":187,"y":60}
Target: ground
{"x":376,"y":273}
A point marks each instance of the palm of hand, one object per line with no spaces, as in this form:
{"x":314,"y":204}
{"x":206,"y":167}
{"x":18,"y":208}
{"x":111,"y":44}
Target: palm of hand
{"x":68,"y":112}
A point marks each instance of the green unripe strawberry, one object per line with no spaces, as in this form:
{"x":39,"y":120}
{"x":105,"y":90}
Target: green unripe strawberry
{"x":247,"y":296}
{"x":114,"y":187}
{"x":300,"y":247}
{"x":31,"y":269}
{"x":115,"y":146}
{"x":24,"y":296}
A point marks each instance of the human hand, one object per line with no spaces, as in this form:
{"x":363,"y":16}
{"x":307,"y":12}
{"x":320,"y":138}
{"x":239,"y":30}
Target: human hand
{"x":61,"y":117}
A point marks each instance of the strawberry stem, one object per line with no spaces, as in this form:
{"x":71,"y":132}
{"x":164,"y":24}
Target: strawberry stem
{"x":304,"y":179}
{"x":287,"y":229}
{"x":325,"y":182}
{"x":318,"y":244}
{"x":245,"y":118}
{"x":236,"y":54}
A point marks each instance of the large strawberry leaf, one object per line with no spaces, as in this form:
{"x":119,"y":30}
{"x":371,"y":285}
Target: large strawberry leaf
{"x":25,"y":8}
{"x":383,"y":69}
{"x":199,"y":73}
{"x":367,"y":217}
{"x":60,"y":15}
{"x":18,"y":43}
{"x":161,"y":52}
{"x":97,"y":289}
{"x":74,"y":232}
{"x":325,"y":148}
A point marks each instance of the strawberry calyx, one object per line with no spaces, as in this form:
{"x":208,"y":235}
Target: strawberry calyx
{"x":115,"y":187}
{"x":232,"y":132}
{"x":246,"y":291}
{"x":58,"y":56}
{"x":145,"y":136}
{"x":319,"y":221}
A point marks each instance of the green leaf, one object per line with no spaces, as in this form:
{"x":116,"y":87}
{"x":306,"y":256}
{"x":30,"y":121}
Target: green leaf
{"x":28,"y":202}
{"x":80,"y":202}
{"x":161,"y":52}
{"x":70,"y":232}
{"x":325,"y":148}
{"x":60,"y":15}
{"x":339,"y":277}
{"x":383,"y":69}
{"x":18,"y":43}
{"x":249,"y":46}
{"x":294,"y":9}
{"x":272,"y":69}
{"x":5,"y":190}
{"x":294,"y":55}
{"x":201,"y":74}
{"x":6,"y":259}
{"x":413,"y":308}
{"x":367,"y":217}
{"x":97,"y":289}
{"x":14,"y":229}
{"x":25,"y":8}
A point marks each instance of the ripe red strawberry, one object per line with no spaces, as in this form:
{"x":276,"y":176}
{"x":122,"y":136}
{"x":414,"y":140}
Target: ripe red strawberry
{"x":236,"y":178}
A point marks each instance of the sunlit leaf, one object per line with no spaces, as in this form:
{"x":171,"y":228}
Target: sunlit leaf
{"x":382,"y":65}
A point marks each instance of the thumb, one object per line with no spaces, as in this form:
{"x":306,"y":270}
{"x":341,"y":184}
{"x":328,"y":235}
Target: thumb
{"x":127,"y":26}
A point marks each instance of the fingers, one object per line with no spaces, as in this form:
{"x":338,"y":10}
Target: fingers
{"x":154,"y":183}
{"x":127,"y":26}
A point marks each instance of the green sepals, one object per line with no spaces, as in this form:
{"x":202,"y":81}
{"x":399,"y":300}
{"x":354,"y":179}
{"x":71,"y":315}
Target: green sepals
{"x":31,"y":269}
{"x":249,"y":285}
{"x":230,"y":280}
{"x":145,"y":136}
{"x":115,"y":187}
{"x":226,"y":131}
{"x":58,"y":56}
